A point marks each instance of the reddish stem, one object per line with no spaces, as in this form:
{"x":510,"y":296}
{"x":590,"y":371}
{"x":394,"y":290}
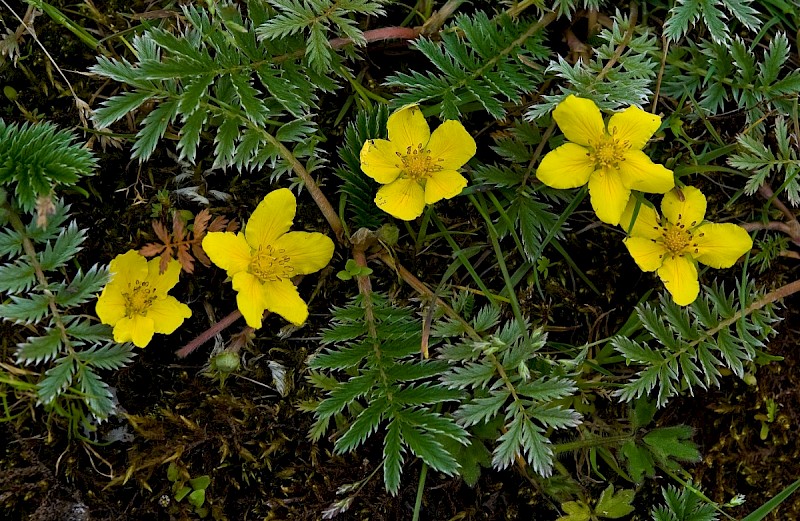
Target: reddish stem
{"x":378,"y":35}
{"x":208,"y":334}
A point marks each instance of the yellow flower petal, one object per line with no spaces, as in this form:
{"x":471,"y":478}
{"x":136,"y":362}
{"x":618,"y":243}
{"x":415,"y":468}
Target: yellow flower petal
{"x":451,"y":146}
{"x":272,"y":218}
{"x":110,"y":307}
{"x":228,"y":250}
{"x":407,"y":128}
{"x":685,"y":205}
{"x":679,"y":275}
{"x":163,"y":282}
{"x":579,"y":120}
{"x":444,"y":184}
{"x":137,"y":329}
{"x":634,"y":126}
{"x":568,"y":166}
{"x":281,"y":297}
{"x":380,"y":161}
{"x":648,"y":254}
{"x":646,"y":225}
{"x":640,"y":173}
{"x":128,"y":267}
{"x":308,"y":252}
{"x":404,"y":199}
{"x":721,"y":245}
{"x":167,"y":314}
{"x":609,"y":195}
{"x":250,"y":298}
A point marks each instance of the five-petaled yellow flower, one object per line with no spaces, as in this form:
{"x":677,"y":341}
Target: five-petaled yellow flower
{"x":262,"y":261}
{"x":611,"y":160}
{"x":135,"y":301}
{"x":673,"y":246}
{"x":415,"y":166}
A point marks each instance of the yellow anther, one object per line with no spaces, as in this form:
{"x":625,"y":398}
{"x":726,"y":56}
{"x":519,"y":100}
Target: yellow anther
{"x":270,"y":265}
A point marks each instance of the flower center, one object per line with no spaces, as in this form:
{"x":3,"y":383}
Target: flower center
{"x":676,"y":239}
{"x":270,"y":265}
{"x":608,"y":152}
{"x":139,"y":298}
{"x":418,"y":163}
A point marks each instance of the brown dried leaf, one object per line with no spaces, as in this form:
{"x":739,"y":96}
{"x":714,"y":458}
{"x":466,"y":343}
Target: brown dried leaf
{"x":161,"y":232}
{"x":200,"y":254}
{"x":218,"y":224}
{"x":178,"y":227}
{"x":165,"y":258}
{"x":152,"y":249}
{"x":201,"y":223}
{"x":232,"y":226}
{"x":185,"y":258}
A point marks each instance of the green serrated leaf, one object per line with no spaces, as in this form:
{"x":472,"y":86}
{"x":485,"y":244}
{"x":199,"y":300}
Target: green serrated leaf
{"x":153,"y":128}
{"x":614,"y":505}
{"x":392,"y":458}
{"x":95,"y":392}
{"x":36,"y":350}
{"x":109,"y":356}
{"x":117,"y":107}
{"x":56,"y":379}
{"x":83,"y":287}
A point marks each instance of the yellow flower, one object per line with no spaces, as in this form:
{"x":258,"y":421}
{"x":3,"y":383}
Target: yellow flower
{"x":415,"y":166}
{"x":611,"y":160}
{"x":674,"y":245}
{"x":262,"y":261}
{"x":135,"y":301}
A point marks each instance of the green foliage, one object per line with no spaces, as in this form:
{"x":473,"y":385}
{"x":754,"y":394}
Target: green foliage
{"x":36,"y":159}
{"x":664,"y":447}
{"x":38,"y":294}
{"x":762,"y":163}
{"x":358,"y":190}
{"x":611,"y":505}
{"x":481,"y":61}
{"x":254,"y":95}
{"x":523,"y":209}
{"x":388,"y":388}
{"x":683,"y":505}
{"x":316,"y":18}
{"x":505,"y":384}
{"x":768,"y":249}
{"x":685,"y":13}
{"x":627,"y":82}
{"x":72,"y":346}
{"x":693,"y":343}
{"x":723,"y":76}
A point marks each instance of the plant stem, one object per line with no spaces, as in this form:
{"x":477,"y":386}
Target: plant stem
{"x":41,"y":278}
{"x":313,"y":189}
{"x":208,"y":334}
{"x":569,"y":446}
{"x":423,"y":473}
{"x":437,"y":19}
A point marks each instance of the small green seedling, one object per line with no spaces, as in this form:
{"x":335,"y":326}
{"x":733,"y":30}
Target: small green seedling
{"x":191,"y":489}
{"x":611,"y":505}
{"x":352,"y":269}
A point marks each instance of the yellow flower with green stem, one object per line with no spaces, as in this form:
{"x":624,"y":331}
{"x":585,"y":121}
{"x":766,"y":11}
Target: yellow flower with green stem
{"x":135,"y":300}
{"x":673,"y":245}
{"x":262,"y":260}
{"x":609,"y":159}
{"x":414,"y":166}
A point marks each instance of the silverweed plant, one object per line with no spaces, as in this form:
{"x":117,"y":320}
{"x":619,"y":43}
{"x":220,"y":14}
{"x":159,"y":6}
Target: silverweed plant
{"x":43,"y":295}
{"x":532,"y":292}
